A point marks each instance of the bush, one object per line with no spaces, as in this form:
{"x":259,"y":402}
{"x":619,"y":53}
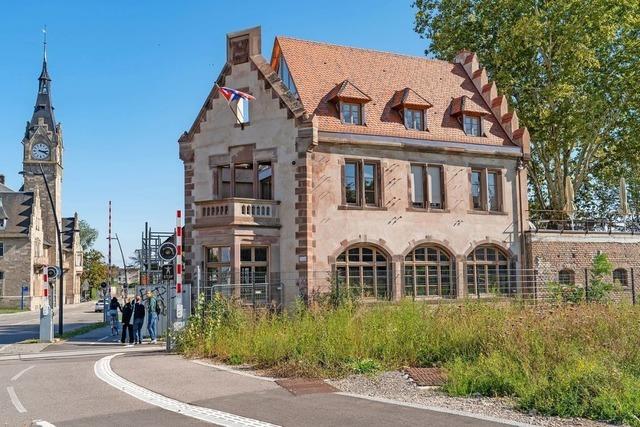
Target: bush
{"x":568,"y":360}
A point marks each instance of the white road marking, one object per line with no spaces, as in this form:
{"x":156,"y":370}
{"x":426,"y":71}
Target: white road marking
{"x":15,"y":400}
{"x":79,"y":353}
{"x":104,"y":338}
{"x":438,"y":409}
{"x":19,"y":374}
{"x":102,"y":369}
{"x":3,"y":347}
{"x":42,"y":423}
{"x":233,"y":371}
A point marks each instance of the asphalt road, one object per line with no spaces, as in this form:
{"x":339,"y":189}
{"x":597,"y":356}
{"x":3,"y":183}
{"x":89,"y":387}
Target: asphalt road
{"x":16,"y":327}
{"x":95,"y":381}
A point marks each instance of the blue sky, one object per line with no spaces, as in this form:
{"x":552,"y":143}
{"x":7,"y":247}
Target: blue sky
{"x":130,"y":77}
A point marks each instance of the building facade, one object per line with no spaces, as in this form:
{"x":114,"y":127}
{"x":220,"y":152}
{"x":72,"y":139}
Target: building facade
{"x":28,"y":239}
{"x":382,"y":174}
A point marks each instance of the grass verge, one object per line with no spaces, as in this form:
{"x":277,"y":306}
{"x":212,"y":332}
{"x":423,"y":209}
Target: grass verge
{"x":9,"y":310}
{"x":570,"y":361}
{"x":81,"y":330}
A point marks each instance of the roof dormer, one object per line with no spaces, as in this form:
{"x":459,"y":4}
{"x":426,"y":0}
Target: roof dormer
{"x":470,"y":115}
{"x":412,"y":107}
{"x":350,"y":102}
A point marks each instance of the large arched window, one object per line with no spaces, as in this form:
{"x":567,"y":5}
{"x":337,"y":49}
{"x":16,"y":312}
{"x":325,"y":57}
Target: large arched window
{"x":489,"y":270}
{"x":364,"y":271}
{"x":620,"y":277}
{"x":429,"y":271}
{"x":567,"y":277}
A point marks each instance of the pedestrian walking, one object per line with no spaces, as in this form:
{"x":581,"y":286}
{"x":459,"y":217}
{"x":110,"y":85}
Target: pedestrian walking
{"x":127,"y":326}
{"x":138,"y":319}
{"x":114,"y":306}
{"x":152,"y":316}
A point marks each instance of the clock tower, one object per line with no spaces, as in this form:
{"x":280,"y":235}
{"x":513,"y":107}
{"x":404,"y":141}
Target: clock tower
{"x":42,"y":147}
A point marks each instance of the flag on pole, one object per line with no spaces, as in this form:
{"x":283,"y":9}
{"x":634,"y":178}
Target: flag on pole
{"x":233,"y":94}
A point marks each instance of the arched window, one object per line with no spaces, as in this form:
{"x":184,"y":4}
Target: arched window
{"x":489,"y":270}
{"x":620,"y":277}
{"x":567,"y":277}
{"x":429,"y":271}
{"x":364,"y":271}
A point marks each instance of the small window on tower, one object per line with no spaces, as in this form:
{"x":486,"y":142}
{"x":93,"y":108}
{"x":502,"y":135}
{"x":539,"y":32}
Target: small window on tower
{"x":242,"y":111}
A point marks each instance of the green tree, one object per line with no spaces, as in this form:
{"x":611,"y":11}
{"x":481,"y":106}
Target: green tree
{"x":95,"y":270}
{"x":569,"y":67}
{"x":88,"y":235}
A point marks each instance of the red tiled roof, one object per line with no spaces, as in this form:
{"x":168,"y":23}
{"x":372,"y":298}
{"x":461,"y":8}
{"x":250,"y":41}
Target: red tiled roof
{"x":463,"y":104}
{"x":409,"y":98}
{"x":317,"y":68}
{"x":348,"y":91}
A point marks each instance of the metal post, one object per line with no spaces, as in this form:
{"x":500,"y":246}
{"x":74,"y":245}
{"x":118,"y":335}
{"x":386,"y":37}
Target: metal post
{"x":633,"y":288}
{"x":198,"y":278}
{"x":124,"y":264}
{"x":60,"y":255}
{"x":169,"y":316}
{"x":586,"y":284}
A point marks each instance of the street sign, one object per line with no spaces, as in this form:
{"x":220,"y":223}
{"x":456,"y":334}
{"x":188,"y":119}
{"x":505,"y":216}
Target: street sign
{"x":168,"y":251}
{"x":168,"y":272}
{"x":53,"y":272}
{"x":103,"y":285}
{"x":25,"y":289}
{"x":179,"y":311}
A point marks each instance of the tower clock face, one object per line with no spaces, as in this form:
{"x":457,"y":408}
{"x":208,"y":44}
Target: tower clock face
{"x":40,"y":151}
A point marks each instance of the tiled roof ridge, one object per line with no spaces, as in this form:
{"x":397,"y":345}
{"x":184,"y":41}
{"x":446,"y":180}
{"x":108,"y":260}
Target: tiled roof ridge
{"x":366,"y":49}
{"x":497,"y":103}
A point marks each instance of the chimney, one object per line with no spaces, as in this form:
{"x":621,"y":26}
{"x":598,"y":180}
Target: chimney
{"x":1,"y":179}
{"x":243,"y":44}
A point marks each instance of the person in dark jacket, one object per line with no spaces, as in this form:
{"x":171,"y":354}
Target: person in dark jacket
{"x":114,"y":306}
{"x":127,"y":326}
{"x":138,"y":319}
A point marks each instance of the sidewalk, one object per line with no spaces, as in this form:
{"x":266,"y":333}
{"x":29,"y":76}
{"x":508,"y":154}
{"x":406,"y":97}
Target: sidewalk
{"x":260,"y":399}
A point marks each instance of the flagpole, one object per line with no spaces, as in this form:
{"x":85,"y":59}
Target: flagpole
{"x":230,"y":108}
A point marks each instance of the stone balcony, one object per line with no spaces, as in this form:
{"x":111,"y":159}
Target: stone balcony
{"x":237,"y":211}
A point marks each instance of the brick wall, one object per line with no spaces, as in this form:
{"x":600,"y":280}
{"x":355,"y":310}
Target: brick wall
{"x":550,"y":252}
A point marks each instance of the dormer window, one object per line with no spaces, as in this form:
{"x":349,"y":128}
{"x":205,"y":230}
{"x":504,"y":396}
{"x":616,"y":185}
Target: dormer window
{"x":472,"y":125}
{"x":351,"y":113}
{"x":3,"y":223}
{"x":414,"y":119}
{"x":350,"y":102}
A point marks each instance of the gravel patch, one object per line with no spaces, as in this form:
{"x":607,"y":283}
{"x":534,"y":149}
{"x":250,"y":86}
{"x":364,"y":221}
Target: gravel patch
{"x":394,"y":385}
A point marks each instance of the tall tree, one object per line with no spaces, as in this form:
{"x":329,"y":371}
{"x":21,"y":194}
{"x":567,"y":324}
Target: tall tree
{"x":569,"y":67}
{"x":88,"y":235}
{"x":95,"y":270}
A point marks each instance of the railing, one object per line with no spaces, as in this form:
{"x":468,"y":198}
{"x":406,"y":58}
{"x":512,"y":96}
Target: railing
{"x":237,"y":211}
{"x":561,"y":221}
{"x":254,"y":295}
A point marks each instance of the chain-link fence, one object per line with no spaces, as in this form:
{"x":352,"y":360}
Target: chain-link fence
{"x":432,"y":283}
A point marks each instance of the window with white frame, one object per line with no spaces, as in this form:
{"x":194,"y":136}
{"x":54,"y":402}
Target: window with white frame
{"x":351,"y":113}
{"x":242,"y":111}
{"x":472,"y":125}
{"x":490,"y":270}
{"x":427,"y":186}
{"x":3,"y":223}
{"x":414,"y":119}
{"x":429,"y":271}
{"x":363,"y":271}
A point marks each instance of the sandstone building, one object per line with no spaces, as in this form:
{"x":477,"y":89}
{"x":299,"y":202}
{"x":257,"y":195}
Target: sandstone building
{"x":385,"y":174}
{"x":28,"y":236}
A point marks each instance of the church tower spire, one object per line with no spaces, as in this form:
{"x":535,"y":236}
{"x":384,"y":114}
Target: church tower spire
{"x":44,"y":108}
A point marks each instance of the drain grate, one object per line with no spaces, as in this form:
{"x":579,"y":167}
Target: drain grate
{"x":426,"y":377}
{"x":300,"y":386}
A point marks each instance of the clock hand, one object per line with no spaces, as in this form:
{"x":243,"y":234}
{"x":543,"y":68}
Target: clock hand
{"x":42,"y":151}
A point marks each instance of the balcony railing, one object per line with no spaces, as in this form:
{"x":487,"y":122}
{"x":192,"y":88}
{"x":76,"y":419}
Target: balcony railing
{"x":237,"y":211}
{"x":559,"y":221}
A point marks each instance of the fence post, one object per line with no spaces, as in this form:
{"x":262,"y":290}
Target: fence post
{"x":633,"y":288}
{"x":586,"y":284}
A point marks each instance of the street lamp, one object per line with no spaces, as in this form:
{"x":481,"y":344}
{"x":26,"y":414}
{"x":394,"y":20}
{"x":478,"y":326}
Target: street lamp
{"x":60,"y":257}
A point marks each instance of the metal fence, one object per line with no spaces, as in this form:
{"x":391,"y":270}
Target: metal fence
{"x":580,"y":221}
{"x":484,"y":282}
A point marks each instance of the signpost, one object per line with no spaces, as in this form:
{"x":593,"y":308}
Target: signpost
{"x":46,"y":316}
{"x":24,"y":290}
{"x":168,"y":272}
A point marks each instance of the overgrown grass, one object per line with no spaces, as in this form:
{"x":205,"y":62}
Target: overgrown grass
{"x":571,"y":361}
{"x":9,"y":310}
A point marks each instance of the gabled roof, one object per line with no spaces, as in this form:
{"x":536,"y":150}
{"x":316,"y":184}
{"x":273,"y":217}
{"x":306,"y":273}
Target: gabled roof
{"x":465,"y":105}
{"x":318,"y":67}
{"x":408,"y":98}
{"x":347,"y":91}
{"x":18,"y":209}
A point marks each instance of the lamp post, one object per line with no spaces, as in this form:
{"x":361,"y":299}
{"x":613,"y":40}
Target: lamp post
{"x":60,"y":257}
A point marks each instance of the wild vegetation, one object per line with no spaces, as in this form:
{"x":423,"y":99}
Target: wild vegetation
{"x":567,"y":360}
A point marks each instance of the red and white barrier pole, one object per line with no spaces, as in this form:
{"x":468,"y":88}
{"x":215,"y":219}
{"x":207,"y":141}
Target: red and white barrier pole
{"x":179,"y":253}
{"x":45,"y":284}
